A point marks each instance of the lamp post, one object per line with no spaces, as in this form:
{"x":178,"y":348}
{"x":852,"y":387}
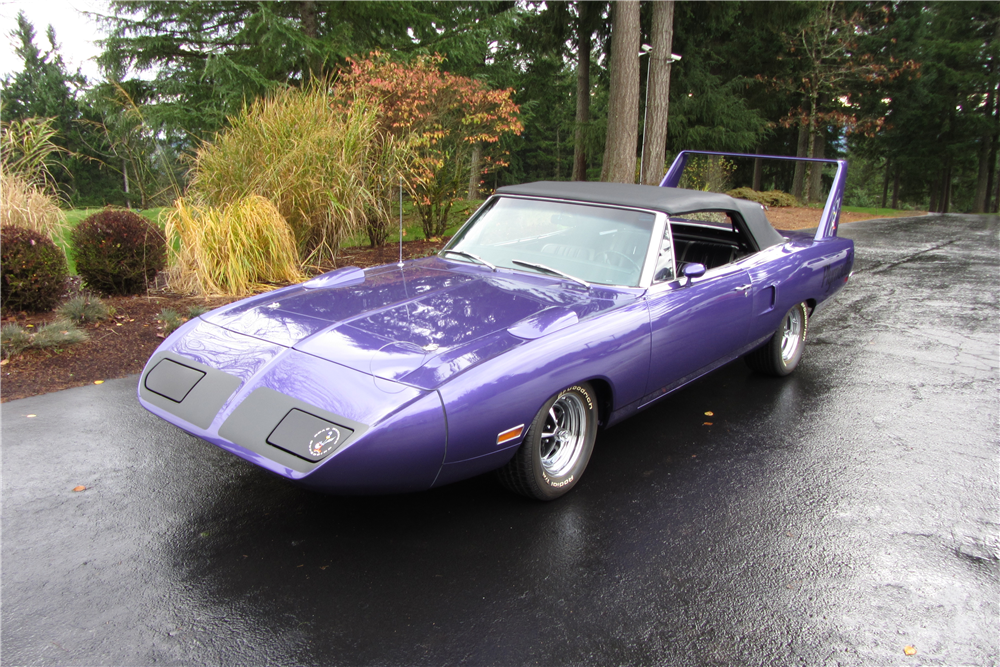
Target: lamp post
{"x":645,"y":50}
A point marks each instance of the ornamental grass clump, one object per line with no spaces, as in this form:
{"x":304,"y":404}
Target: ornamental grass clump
{"x":32,"y":271}
{"x":317,"y":155}
{"x":30,"y":197}
{"x":234,"y":250}
{"x":14,"y":339}
{"x":83,"y":309}
{"x":118,"y":252}
{"x":58,"y":334}
{"x":24,"y":205}
{"x":170,"y":320}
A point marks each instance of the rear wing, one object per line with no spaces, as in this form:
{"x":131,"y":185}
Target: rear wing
{"x":831,"y":212}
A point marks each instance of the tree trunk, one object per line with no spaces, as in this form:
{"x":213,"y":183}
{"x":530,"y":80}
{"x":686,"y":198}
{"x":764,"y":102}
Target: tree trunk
{"x":758,"y":175}
{"x":623,"y":102}
{"x":314,"y":61}
{"x":993,"y":155}
{"x":128,"y":202}
{"x":558,"y":174}
{"x":895,"y":189}
{"x":885,"y":182}
{"x":991,"y":174}
{"x":946,"y":189}
{"x":935,"y":188}
{"x":654,"y":133}
{"x":996,"y":197}
{"x":582,"y":92}
{"x":801,"y":150}
{"x":981,"y":202}
{"x":816,"y":169}
{"x":982,"y":178}
{"x":474,"y":173}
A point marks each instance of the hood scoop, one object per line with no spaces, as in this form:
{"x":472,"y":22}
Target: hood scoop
{"x":345,"y":277}
{"x":544,"y":323}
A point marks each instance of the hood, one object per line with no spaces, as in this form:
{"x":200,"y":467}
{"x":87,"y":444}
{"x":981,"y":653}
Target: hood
{"x":432,"y":316}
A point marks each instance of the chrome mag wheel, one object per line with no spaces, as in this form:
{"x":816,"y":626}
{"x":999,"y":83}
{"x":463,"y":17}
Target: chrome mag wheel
{"x":556,"y":447}
{"x":791,"y":337}
{"x":563,"y":435}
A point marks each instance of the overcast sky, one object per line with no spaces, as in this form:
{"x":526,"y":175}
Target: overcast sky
{"x":75,"y":32}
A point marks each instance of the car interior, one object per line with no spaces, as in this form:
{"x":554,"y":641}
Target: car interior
{"x":711,"y":238}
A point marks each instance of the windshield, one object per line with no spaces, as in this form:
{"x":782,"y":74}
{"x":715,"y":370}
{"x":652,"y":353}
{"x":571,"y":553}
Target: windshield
{"x":591,"y":243}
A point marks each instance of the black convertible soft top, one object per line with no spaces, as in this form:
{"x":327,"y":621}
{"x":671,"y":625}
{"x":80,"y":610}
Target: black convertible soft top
{"x":672,"y":201}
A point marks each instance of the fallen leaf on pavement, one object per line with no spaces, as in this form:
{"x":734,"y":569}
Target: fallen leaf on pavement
{"x":80,"y":488}
{"x":910,"y":650}
{"x":98,"y":381}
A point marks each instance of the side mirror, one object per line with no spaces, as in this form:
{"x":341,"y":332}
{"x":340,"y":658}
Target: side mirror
{"x":693,"y":270}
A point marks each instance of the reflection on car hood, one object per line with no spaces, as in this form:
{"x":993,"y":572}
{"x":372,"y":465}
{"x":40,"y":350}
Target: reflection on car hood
{"x":418,"y":323}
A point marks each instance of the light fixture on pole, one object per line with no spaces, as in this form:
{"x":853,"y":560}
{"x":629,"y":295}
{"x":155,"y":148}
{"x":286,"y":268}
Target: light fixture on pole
{"x":646,"y":49}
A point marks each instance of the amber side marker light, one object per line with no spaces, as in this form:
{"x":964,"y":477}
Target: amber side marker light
{"x":510,"y":434}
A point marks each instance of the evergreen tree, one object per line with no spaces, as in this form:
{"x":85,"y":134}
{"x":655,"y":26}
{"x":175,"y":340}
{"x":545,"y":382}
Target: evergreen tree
{"x":210,"y":58}
{"x":45,"y":89}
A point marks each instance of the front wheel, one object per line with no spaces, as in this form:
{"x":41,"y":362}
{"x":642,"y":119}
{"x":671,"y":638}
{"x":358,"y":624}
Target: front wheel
{"x":781,"y":354}
{"x":557,"y":446}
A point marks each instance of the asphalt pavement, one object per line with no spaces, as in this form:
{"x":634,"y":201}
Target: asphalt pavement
{"x":835,"y":517}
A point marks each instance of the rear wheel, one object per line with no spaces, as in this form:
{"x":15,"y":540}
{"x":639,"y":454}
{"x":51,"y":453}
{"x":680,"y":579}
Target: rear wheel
{"x":780,"y":355}
{"x":557,"y":447}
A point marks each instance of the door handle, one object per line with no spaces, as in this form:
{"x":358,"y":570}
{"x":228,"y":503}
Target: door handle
{"x":743,"y":288}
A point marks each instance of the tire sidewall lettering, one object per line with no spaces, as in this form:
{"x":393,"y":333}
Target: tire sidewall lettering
{"x":558,"y":483}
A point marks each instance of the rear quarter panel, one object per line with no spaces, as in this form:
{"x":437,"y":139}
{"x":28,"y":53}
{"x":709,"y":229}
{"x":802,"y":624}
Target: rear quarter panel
{"x":802,"y":270}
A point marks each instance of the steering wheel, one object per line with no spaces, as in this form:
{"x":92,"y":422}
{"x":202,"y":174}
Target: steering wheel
{"x":608,"y":254}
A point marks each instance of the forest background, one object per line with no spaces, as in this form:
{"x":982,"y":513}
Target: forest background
{"x":907,"y":91}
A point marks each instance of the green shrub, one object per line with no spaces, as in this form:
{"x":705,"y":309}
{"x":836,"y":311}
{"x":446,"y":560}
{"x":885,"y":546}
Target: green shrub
{"x":58,"y":334}
{"x":14,"y":339}
{"x":32,"y":270}
{"x":81,"y":309}
{"x":118,"y":252}
{"x":772,"y":198}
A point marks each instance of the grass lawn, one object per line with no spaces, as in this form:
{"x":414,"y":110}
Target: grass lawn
{"x":412,"y":230}
{"x":881,"y":212}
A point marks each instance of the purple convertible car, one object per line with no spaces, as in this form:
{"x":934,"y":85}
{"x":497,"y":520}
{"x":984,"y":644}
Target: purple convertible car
{"x":558,"y":309}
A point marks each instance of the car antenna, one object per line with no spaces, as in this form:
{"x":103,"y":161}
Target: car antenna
{"x":400,"y":265}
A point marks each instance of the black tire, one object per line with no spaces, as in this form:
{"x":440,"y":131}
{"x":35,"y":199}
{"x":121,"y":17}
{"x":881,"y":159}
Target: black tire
{"x":781,"y":354}
{"x":557,"y":447}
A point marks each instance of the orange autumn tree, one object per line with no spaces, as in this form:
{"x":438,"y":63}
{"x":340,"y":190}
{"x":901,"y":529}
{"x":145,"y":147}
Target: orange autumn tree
{"x":449,"y":119}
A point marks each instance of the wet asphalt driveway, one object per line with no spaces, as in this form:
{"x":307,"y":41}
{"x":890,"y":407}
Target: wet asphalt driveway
{"x":833,"y":517}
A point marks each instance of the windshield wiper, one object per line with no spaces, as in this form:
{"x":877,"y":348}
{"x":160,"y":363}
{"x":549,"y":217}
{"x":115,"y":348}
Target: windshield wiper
{"x":462,"y":253}
{"x":549,"y":269}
